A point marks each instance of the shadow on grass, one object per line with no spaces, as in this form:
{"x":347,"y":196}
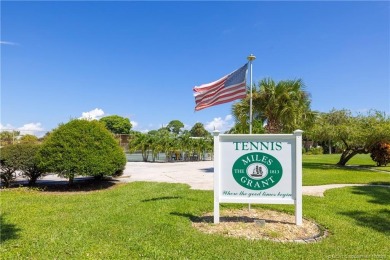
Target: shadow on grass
{"x":352,"y":168}
{"x":162,"y":198}
{"x":210,"y":219}
{"x":7,"y":230}
{"x":324,"y":166}
{"x":379,"y":195}
{"x":230,"y":219}
{"x":378,"y":220}
{"x":81,"y":185}
{"x":191,"y":217}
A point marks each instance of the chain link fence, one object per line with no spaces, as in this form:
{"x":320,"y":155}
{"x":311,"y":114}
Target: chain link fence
{"x":162,"y":157}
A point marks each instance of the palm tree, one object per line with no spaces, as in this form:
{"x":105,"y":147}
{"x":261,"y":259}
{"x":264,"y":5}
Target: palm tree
{"x":292,"y":105}
{"x":198,"y":130}
{"x":165,"y":142}
{"x":185,"y":145}
{"x":155,"y":145}
{"x":240,"y":111}
{"x":141,"y":142}
{"x":283,"y":106}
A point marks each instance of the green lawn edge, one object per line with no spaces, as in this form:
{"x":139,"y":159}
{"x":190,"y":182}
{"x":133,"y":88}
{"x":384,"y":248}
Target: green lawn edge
{"x":146,"y":220}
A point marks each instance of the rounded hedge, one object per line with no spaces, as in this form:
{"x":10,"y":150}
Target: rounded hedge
{"x":9,"y":164}
{"x":82,"y":147}
{"x":28,"y":161}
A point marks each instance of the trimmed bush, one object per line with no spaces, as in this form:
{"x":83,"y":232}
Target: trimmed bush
{"x":84,"y":148}
{"x":20,"y":157}
{"x":29,"y":162}
{"x":9,"y":163}
{"x":31,"y":139}
{"x":316,"y":150}
{"x":380,"y":153}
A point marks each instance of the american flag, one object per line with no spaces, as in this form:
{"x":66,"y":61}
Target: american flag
{"x":226,"y":89}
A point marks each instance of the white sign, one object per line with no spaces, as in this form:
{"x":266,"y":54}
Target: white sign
{"x":263,"y":169}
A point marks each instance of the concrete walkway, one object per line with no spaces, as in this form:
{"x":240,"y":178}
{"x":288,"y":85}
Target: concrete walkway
{"x":199,"y":175}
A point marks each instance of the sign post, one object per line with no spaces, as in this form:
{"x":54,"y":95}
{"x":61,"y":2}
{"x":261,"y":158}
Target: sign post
{"x":265,"y":169}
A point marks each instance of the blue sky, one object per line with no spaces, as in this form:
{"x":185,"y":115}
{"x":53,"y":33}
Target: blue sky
{"x":63,"y":60}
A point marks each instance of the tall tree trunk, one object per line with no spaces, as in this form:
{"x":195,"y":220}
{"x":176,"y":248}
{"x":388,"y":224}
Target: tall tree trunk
{"x":346,"y":156}
{"x":145,"y":155}
{"x":6,"y":179}
{"x":71,"y":178}
{"x":349,"y":153}
{"x":32,"y":180}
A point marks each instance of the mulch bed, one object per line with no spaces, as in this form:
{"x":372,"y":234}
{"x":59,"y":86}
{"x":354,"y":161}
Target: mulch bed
{"x":260,"y":224}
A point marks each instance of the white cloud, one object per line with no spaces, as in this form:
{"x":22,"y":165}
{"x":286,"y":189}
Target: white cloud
{"x":6,"y":127}
{"x":228,"y":118}
{"x":93,"y":114}
{"x":220,"y":124}
{"x":7,"y":43}
{"x":31,"y":129}
{"x":134,"y":124}
{"x":31,"y":126}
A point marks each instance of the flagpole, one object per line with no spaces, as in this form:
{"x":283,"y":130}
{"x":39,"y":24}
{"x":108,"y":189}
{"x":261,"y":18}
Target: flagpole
{"x":250,"y":59}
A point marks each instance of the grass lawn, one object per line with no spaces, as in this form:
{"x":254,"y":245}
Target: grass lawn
{"x":153,"y":220}
{"x":322,"y":169}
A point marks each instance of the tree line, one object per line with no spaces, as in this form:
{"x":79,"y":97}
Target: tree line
{"x":90,"y":148}
{"x":284,"y":106}
{"x":278,"y":107}
{"x":77,"y":148}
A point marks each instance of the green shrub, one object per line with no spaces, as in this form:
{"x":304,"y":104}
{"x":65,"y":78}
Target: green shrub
{"x":29,"y":139}
{"x":29,"y":161}
{"x":9,"y":163}
{"x":117,"y":124}
{"x":20,"y":157}
{"x":316,"y":150}
{"x":84,"y":148}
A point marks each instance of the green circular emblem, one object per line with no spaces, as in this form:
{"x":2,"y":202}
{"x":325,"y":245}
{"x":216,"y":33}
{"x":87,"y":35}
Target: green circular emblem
{"x":257,"y":171}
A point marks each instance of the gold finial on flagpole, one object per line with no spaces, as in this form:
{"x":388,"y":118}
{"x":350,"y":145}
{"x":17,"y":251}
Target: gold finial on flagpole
{"x":251,"y":57}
